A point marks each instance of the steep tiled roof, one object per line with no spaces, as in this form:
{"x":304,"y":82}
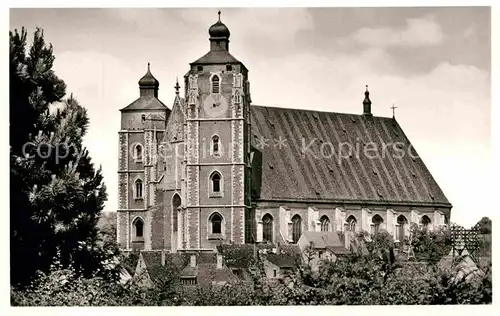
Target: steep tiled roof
{"x":208,"y":272}
{"x":303,"y":172}
{"x":201,"y":259}
{"x":146,"y":103}
{"x":282,"y":260}
{"x":206,"y":257}
{"x":290,"y":249}
{"x":216,"y":57}
{"x":340,"y":250}
{"x":151,"y":258}
{"x":175,"y":125}
{"x":322,"y":239}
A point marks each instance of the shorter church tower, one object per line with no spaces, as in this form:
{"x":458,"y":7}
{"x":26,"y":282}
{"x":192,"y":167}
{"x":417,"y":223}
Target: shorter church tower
{"x":142,"y":124}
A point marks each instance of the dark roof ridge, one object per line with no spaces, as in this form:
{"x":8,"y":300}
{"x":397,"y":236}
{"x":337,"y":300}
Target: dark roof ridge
{"x":354,"y":201}
{"x":133,"y":106}
{"x":316,"y":111}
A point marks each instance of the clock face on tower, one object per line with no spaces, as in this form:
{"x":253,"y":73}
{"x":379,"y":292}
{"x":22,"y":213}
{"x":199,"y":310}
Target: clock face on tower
{"x":215,"y":105}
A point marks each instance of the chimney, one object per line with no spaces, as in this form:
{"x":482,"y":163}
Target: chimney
{"x":163,"y":257}
{"x":367,"y":103}
{"x":219,"y":261}
{"x":193,"y":261}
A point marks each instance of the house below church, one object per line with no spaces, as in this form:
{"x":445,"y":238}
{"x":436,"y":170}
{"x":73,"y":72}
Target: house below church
{"x":318,"y":247}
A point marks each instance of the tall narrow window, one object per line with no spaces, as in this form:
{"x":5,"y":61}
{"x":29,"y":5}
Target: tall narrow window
{"x":325,"y":223}
{"x":176,"y":202}
{"x":402,"y":222}
{"x":267,"y":228}
{"x":215,"y":84}
{"x":296,"y":228}
{"x":138,"y":152}
{"x":216,"y":182}
{"x":215,"y":145}
{"x":425,"y":221}
{"x":139,"y":227}
{"x":138,"y":189}
{"x":351,"y":223}
{"x":237,"y":97}
{"x":376,"y":221}
{"x":216,"y":221}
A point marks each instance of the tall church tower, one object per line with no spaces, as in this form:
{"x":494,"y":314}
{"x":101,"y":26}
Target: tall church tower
{"x":217,"y":139}
{"x":142,"y":125}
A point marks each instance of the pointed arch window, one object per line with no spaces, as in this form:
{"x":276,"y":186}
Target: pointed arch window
{"x":215,"y":184}
{"x":325,"y":223}
{"x":138,"y":153}
{"x":400,"y":232}
{"x":138,"y":189}
{"x":216,"y":224}
{"x":237,"y":97}
{"x":296,"y":228}
{"x":215,"y":84}
{"x":138,"y":228}
{"x":351,"y":223}
{"x":376,"y":222}
{"x":425,"y":221}
{"x":267,"y":228}
{"x":215,"y":145}
{"x":176,"y":203}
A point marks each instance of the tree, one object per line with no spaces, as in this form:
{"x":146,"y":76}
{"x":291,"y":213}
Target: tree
{"x":56,"y":192}
{"x":431,"y":246}
{"x":107,"y":224}
{"x":484,"y":225}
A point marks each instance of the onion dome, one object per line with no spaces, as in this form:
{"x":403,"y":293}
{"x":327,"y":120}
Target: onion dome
{"x":148,"y":80}
{"x":219,"y":30}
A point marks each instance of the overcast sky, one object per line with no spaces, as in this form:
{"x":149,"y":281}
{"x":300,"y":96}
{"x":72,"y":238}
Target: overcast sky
{"x":432,"y":63}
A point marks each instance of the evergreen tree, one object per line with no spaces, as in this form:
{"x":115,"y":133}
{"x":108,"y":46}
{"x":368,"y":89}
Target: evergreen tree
{"x":56,"y":192}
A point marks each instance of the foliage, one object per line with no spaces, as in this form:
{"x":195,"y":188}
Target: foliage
{"x":355,"y":280}
{"x":380,"y":242}
{"x":430,"y":246}
{"x":107,"y":224}
{"x":241,"y":256}
{"x":484,"y":225}
{"x":56,"y":193}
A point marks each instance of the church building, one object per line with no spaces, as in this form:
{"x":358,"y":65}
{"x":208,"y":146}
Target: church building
{"x":216,"y":169}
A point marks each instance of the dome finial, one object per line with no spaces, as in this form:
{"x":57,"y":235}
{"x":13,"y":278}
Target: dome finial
{"x":149,"y":83}
{"x":367,"y":103}
{"x":219,"y":30}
